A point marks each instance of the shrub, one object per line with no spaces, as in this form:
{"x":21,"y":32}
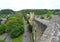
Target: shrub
{"x":42,"y":17}
{"x":2,"y":29}
{"x":30,"y":28}
{"x":16,"y":32}
{"x":28,"y":17}
{"x":0,"y":21}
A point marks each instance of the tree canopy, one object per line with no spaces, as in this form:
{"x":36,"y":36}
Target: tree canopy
{"x":15,"y":25}
{"x":40,"y":11}
{"x":6,"y":11}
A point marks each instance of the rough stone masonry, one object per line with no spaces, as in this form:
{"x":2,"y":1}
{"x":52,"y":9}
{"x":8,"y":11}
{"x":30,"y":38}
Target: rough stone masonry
{"x":52,"y":32}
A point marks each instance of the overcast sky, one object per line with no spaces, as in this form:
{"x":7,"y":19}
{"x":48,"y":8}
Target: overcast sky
{"x":29,"y":4}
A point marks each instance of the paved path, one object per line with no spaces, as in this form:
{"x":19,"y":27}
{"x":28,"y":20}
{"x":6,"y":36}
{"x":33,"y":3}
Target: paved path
{"x":8,"y":39}
{"x":26,"y":33}
{"x":2,"y":36}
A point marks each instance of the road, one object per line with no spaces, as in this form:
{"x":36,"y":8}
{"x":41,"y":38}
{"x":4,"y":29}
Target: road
{"x":26,"y":32}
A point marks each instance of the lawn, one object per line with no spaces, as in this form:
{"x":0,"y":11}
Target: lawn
{"x":31,"y":37}
{"x":2,"y":40}
{"x":19,"y":39}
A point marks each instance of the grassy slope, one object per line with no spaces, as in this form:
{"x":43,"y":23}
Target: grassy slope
{"x":31,"y":37}
{"x":2,"y":40}
{"x":19,"y":39}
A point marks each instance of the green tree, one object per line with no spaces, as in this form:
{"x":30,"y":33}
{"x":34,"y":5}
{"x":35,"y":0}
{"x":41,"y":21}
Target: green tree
{"x":2,"y":28}
{"x":49,"y":14}
{"x":6,"y":11}
{"x":17,"y":31}
{"x":15,"y":25}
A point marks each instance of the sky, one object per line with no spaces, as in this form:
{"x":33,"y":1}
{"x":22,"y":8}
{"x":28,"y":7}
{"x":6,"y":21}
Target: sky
{"x":29,"y":4}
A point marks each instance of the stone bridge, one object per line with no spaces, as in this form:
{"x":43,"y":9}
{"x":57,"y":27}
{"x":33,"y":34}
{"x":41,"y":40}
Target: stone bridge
{"x":47,"y":31}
